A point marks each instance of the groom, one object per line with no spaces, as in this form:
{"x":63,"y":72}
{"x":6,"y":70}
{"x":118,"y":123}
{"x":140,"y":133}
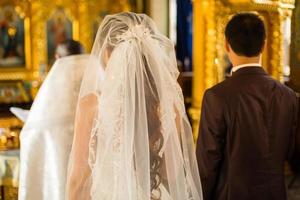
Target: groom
{"x":248,"y":123}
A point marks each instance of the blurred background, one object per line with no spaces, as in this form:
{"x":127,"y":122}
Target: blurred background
{"x":31,"y":30}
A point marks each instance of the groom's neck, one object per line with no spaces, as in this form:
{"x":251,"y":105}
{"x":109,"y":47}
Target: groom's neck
{"x":241,"y":60}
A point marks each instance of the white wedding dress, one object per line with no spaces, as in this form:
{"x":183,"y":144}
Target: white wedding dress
{"x":46,"y":138}
{"x":132,"y":138}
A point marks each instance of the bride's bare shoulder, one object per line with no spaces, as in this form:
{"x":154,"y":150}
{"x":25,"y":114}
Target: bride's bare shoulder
{"x":88,"y":100}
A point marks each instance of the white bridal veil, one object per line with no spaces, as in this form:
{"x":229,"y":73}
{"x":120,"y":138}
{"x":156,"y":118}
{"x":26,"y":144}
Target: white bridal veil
{"x":132,"y":138}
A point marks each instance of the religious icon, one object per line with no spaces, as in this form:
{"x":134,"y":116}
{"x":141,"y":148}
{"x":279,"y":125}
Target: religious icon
{"x":295,"y":46}
{"x":12,"y":52}
{"x":59,"y":28}
{"x":12,"y":92}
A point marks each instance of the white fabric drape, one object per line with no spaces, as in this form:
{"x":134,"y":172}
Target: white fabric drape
{"x":47,"y":135}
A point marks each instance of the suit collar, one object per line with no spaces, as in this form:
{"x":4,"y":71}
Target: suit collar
{"x":235,"y":68}
{"x":250,"y":70}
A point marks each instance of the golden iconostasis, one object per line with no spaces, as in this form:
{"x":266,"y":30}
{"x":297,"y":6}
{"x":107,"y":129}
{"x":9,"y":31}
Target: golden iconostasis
{"x":281,"y":18}
{"x":30,"y":30}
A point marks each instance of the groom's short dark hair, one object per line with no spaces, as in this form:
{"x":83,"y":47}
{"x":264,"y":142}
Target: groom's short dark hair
{"x":246,"y":34}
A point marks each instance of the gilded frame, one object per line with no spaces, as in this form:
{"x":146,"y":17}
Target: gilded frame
{"x":295,"y":49}
{"x":36,"y":14}
{"x":20,"y":72}
{"x":209,"y":18}
{"x":75,"y":26}
{"x":80,"y":12}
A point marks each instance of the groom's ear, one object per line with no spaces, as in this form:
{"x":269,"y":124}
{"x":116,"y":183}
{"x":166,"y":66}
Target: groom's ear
{"x":264,"y":46}
{"x":227,"y":47}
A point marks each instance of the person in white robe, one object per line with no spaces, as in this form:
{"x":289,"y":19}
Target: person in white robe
{"x":47,"y":135}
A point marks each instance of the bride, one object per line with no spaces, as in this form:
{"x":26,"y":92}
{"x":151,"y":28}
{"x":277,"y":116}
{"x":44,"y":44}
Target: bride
{"x":132,"y":137}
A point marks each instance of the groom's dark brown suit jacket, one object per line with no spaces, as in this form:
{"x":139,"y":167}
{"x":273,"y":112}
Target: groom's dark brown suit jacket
{"x":247,"y":131}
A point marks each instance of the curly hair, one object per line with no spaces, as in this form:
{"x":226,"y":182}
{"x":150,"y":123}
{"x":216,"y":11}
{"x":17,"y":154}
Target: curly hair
{"x":156,"y":139}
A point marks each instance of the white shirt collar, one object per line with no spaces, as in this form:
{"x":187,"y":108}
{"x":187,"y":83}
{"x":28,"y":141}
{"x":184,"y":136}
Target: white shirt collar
{"x":234,"y":69}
